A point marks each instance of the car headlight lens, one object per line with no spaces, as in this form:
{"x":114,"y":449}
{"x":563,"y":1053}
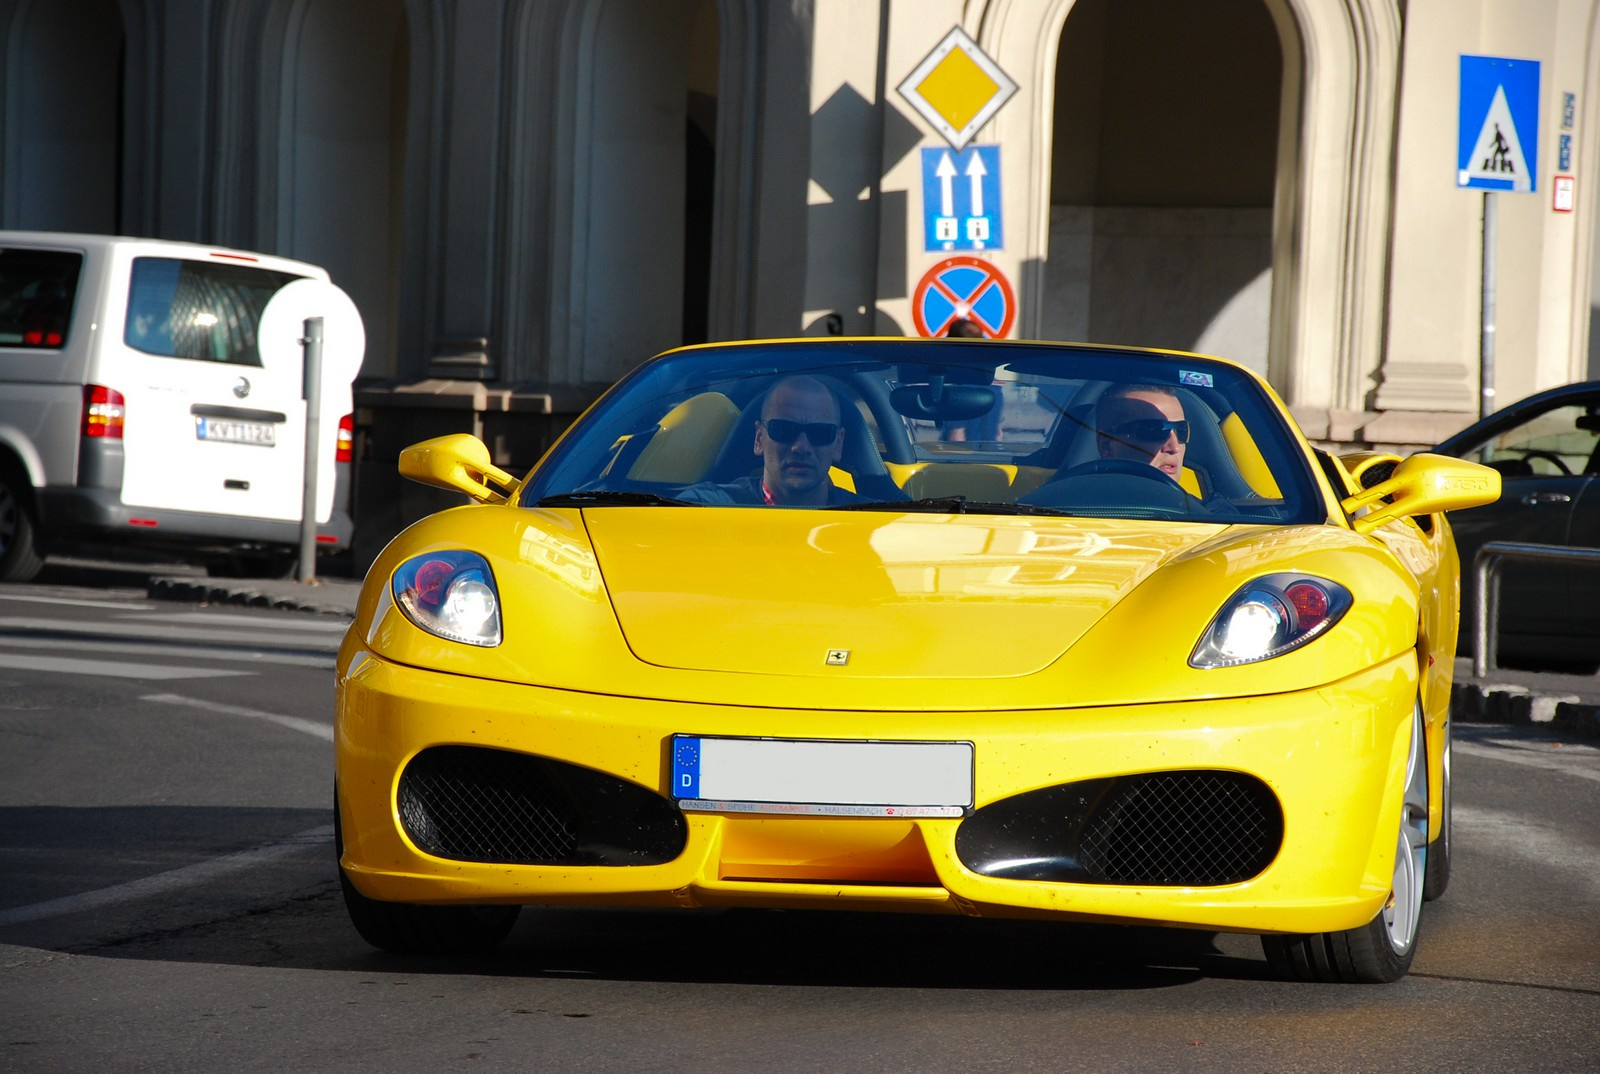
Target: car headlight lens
{"x":451,"y":595}
{"x":1268,"y":617}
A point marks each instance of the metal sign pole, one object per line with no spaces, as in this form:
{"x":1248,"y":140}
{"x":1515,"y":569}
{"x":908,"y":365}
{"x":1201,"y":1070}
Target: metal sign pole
{"x":1486,"y":335}
{"x":311,"y":392}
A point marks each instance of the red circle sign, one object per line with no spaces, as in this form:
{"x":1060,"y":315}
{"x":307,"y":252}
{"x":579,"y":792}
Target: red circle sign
{"x":960,"y":287}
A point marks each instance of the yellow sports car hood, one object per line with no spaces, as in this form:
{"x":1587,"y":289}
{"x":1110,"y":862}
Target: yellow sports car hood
{"x":867,"y":610}
{"x":802,"y":593}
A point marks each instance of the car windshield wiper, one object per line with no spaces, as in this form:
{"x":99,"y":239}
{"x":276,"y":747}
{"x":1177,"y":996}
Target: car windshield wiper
{"x":599,"y":498}
{"x":950,"y":505}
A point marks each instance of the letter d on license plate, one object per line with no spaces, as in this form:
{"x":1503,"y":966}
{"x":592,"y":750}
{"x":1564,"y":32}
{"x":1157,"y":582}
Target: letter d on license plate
{"x":816,"y":776}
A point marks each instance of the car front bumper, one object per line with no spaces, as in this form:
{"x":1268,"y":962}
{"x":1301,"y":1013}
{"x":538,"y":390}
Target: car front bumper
{"x":1331,"y":758}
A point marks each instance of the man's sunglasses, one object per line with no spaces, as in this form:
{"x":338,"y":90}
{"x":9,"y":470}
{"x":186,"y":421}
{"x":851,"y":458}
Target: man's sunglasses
{"x":1150,"y":431}
{"x":785,"y":432}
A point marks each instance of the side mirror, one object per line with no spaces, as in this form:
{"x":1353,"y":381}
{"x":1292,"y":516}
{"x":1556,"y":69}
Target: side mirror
{"x":1423,"y":485}
{"x":460,"y":463}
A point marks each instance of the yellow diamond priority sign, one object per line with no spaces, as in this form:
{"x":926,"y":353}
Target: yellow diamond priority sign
{"x":957,"y":88}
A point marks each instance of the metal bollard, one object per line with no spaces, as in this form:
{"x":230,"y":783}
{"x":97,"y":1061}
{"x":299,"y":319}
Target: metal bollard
{"x":311,"y":392}
{"x":1486,"y":564}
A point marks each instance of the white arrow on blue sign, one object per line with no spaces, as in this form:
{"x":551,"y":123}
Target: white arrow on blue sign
{"x":1497,"y":147}
{"x":961,"y":199}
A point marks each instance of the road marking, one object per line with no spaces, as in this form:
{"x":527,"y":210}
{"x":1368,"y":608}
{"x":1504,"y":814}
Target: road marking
{"x":1513,"y":755}
{"x":294,"y":723}
{"x":162,"y":883}
{"x":110,"y":668}
{"x":190,"y":652}
{"x":146,"y":631}
{"x":1531,"y":841}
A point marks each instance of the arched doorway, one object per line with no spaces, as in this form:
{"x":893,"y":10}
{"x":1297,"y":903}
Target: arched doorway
{"x":62,"y":135}
{"x":341,"y":169}
{"x":1163,"y":174}
{"x":643,"y":193}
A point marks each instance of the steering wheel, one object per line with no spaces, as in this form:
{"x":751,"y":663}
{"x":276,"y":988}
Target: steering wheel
{"x":1548,"y":456}
{"x":1125,"y":467}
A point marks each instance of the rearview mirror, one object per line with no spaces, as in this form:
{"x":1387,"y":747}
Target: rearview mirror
{"x":938,"y":401}
{"x":1424,"y":484}
{"x":460,"y":463}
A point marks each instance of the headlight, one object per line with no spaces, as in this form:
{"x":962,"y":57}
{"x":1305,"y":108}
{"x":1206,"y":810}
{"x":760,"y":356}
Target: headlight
{"x":450,"y":594}
{"x":1269,"y":617}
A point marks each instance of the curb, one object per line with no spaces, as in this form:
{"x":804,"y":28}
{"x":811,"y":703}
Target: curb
{"x":1509,"y":703}
{"x":238,"y":595}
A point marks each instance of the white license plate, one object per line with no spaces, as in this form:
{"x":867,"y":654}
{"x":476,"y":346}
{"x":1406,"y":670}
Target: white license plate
{"x":233,"y":431}
{"x":814,"y":776}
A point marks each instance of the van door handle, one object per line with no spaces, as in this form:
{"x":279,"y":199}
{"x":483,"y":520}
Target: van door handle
{"x":1534,"y":499}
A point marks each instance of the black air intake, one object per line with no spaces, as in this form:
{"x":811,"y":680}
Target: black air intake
{"x":1161,"y":829}
{"x":474,"y":804}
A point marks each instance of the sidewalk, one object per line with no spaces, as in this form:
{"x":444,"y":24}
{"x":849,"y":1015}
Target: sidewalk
{"x":1562,"y":704}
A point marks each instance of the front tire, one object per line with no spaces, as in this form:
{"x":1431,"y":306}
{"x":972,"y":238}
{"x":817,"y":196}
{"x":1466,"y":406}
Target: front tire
{"x":1381,"y":950}
{"x":411,"y":928}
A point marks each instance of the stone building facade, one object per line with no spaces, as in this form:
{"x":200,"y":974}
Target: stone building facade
{"x":527,"y":197}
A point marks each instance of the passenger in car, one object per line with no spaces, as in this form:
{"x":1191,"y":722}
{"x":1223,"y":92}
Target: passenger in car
{"x":799,"y":437}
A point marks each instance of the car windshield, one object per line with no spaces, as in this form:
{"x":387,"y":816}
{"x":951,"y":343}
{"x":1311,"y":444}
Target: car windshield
{"x":937,"y":425}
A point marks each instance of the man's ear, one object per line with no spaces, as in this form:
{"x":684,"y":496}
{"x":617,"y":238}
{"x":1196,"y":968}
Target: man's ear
{"x":1104,"y":445}
{"x":760,"y":444}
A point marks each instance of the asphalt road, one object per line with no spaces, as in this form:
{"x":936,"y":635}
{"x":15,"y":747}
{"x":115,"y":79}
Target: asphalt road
{"x":170,"y":904}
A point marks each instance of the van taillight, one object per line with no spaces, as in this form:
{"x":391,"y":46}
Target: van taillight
{"x":344,"y":447}
{"x":102,"y":412}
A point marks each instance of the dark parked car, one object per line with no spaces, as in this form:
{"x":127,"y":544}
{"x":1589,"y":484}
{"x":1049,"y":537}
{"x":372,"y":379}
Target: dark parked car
{"x":1547,"y":449}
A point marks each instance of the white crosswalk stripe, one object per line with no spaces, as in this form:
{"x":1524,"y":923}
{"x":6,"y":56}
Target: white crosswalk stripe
{"x":156,"y":650}
{"x":67,"y":665}
{"x":142,"y":641}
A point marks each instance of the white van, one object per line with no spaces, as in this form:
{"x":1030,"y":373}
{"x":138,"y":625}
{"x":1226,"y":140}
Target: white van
{"x":137,"y":407}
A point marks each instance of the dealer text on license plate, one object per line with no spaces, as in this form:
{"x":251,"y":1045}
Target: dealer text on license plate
{"x":233,"y":431}
{"x":822,"y":777}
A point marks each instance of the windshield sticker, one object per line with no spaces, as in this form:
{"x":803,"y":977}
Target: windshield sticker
{"x":1194,"y":379}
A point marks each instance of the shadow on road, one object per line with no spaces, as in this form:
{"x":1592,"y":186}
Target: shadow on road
{"x":289,"y":914}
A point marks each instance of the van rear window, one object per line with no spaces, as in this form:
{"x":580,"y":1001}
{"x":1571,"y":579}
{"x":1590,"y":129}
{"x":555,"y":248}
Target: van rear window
{"x":37,"y":289}
{"x":198,"y":310}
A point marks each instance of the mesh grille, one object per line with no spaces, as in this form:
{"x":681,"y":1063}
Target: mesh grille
{"x":486,"y":810}
{"x":1190,"y":828}
{"x":474,"y":804}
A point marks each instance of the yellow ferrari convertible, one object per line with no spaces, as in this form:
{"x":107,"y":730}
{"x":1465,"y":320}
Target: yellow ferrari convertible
{"x":943,"y":626}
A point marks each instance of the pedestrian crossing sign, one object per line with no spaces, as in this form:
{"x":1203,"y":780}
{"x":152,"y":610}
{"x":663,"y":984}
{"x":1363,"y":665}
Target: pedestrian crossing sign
{"x":1498,"y":143}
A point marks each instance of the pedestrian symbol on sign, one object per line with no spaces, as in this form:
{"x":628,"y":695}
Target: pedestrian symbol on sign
{"x":1500,"y":159}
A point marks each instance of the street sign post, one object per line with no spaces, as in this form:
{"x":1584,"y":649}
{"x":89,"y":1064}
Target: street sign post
{"x":1497,"y":149}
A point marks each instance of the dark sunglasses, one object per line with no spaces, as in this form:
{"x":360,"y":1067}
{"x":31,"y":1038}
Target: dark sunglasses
{"x":785,"y":432}
{"x":1151,"y":431}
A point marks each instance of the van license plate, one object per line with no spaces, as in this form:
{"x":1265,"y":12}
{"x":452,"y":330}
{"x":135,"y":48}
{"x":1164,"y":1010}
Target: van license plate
{"x":233,"y":431}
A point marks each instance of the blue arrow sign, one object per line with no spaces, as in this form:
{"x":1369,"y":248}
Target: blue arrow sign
{"x":961,"y":199}
{"x":1497,"y":147}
